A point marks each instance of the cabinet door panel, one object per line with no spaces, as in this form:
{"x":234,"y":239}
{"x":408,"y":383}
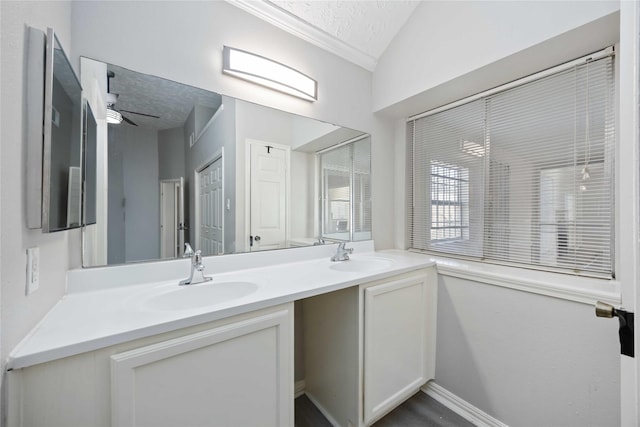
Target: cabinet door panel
{"x":395,"y":343}
{"x":235,"y":375}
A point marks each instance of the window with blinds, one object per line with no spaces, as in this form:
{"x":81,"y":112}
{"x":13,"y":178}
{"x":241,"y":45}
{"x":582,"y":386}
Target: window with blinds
{"x":522,"y":175}
{"x":345,"y":209}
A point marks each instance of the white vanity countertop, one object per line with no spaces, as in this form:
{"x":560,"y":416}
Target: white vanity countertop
{"x":89,"y":320}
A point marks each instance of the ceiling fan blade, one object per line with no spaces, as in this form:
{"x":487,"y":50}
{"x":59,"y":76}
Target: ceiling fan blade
{"x":128,"y":121}
{"x":141,"y":114}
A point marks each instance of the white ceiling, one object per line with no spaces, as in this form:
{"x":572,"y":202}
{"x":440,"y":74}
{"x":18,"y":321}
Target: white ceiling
{"x":357,"y":30}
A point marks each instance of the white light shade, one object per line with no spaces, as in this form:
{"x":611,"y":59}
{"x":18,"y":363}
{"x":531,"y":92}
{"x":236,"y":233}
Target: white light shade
{"x":113,"y":116}
{"x":265,"y":72}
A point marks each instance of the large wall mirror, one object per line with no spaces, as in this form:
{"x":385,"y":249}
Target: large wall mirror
{"x":225,"y":175}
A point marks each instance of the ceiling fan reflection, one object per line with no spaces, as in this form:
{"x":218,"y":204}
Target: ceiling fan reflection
{"x":114,"y":115}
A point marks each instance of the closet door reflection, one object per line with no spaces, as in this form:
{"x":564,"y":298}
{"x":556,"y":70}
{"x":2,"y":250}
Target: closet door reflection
{"x":210,"y":210}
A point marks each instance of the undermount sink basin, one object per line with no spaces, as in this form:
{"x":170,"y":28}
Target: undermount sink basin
{"x":361,"y":265}
{"x":200,"y":295}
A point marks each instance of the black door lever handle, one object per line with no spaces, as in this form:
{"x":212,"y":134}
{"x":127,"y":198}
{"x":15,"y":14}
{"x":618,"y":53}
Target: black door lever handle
{"x":625,"y":331}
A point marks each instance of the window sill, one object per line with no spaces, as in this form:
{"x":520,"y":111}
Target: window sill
{"x":585,"y":290}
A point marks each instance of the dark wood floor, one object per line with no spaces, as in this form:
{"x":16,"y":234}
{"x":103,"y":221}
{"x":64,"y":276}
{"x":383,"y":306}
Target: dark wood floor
{"x":420,"y":410}
{"x":307,"y":415}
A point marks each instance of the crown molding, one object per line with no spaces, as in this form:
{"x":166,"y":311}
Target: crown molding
{"x":301,"y":29}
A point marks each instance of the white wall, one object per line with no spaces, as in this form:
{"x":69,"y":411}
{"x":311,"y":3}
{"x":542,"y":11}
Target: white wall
{"x":524,"y":359}
{"x":254,"y":122}
{"x":58,"y":251}
{"x":444,"y":41}
{"x":303,"y":192}
{"x":183,"y":40}
{"x":94,"y":84}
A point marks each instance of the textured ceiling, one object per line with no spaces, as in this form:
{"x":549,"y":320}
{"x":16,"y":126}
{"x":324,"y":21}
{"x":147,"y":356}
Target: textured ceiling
{"x":368,"y":26}
{"x":145,"y":94}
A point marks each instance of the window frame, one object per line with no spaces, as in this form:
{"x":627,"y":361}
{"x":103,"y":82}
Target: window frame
{"x":610,"y":278}
{"x":461,"y":202}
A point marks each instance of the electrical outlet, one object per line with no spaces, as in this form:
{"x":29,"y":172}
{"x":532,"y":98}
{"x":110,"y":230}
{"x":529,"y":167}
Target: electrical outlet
{"x":33,"y":270}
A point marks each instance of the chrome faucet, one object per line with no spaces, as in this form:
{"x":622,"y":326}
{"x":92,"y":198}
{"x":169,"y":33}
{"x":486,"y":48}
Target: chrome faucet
{"x":342,"y":253}
{"x":196,"y":264}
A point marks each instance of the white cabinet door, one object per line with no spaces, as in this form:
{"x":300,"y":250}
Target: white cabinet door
{"x":239,"y":374}
{"x":399,"y":334}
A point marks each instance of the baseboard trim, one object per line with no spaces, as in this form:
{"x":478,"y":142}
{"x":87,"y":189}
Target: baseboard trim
{"x":460,"y":406}
{"x":298,"y":388}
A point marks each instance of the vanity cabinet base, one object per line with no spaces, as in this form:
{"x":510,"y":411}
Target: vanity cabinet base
{"x":332,"y":353}
{"x":233,"y":372}
{"x":398,"y":340}
{"x":369,"y":348}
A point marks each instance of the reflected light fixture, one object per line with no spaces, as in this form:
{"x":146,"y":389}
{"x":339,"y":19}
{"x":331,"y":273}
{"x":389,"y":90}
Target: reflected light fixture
{"x":265,"y":72}
{"x":473,"y":148}
{"x":113,"y":116}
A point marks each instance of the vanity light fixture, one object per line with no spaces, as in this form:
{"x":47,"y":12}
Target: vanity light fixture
{"x":269,"y":73}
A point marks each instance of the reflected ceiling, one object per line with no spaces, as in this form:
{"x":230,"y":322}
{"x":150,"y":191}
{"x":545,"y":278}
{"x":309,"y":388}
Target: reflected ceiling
{"x":147,"y":95}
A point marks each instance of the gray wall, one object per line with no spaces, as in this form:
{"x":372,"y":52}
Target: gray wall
{"x":116,"y":198}
{"x":221,"y":133}
{"x":171,"y":162}
{"x":136,"y":217}
{"x":202,"y":116}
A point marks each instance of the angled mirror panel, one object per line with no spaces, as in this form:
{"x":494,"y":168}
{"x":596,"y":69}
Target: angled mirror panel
{"x":62,"y":146}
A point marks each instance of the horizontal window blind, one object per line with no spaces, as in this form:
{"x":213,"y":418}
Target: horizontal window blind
{"x":523,"y":176}
{"x":448,"y":182}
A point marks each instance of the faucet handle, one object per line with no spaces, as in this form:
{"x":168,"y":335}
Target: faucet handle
{"x":188,"y":251}
{"x":342,"y":246}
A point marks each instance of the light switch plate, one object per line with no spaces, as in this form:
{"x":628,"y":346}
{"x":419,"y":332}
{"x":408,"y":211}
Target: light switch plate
{"x":33,"y":270}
